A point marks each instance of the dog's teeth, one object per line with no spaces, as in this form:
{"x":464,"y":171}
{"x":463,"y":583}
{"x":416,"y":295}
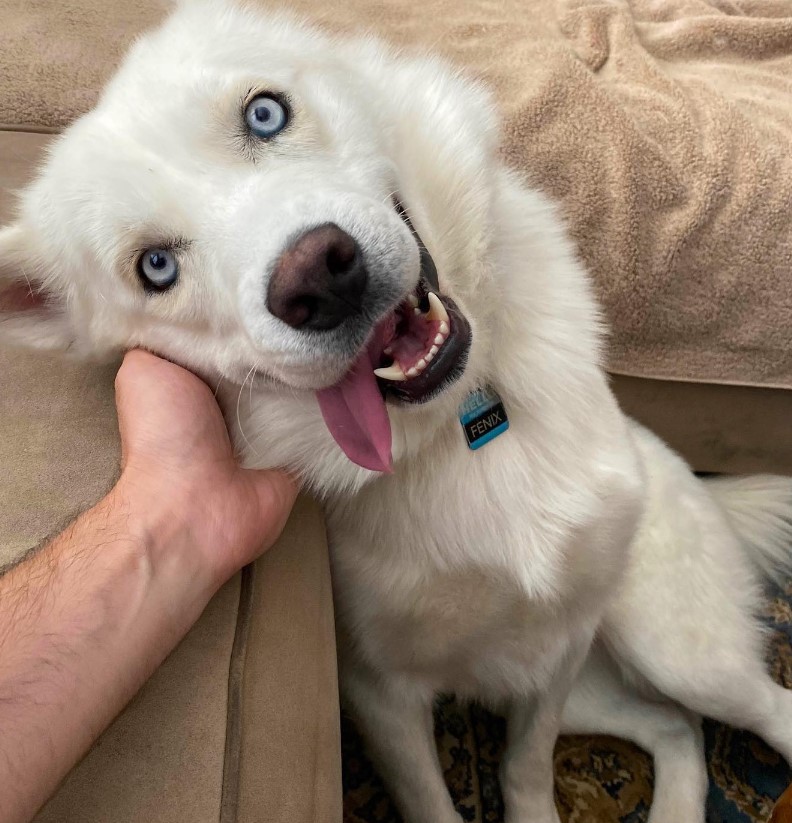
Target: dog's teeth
{"x":444,"y":328}
{"x":393,"y":372}
{"x":413,"y":300}
{"x":421,"y":364}
{"x":387,"y":350}
{"x":416,"y":310}
{"x":413,"y":372}
{"x":430,"y":355}
{"x":433,"y":351}
{"x":437,"y":310}
{"x":439,"y":339}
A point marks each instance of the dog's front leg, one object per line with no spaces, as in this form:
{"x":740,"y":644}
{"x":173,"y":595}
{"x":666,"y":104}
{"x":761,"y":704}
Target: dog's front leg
{"x":397,"y":723}
{"x":533,"y":723}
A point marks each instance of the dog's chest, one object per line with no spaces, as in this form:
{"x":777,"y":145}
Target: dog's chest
{"x":466,"y":586}
{"x":473,"y":632}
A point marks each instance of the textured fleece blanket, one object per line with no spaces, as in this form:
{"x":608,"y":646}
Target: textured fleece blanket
{"x":664,"y":128}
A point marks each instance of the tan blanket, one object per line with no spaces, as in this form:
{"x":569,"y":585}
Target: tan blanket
{"x":663,"y":126}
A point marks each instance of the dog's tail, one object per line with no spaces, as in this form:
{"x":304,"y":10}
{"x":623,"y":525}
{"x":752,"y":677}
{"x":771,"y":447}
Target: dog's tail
{"x":760,"y":510}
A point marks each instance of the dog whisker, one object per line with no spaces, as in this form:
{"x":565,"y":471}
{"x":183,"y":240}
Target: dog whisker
{"x":217,"y":387}
{"x":29,"y":284}
{"x":238,"y":416}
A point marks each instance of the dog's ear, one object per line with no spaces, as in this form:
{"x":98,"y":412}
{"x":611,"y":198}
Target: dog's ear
{"x":32,"y":311}
{"x":444,"y":133}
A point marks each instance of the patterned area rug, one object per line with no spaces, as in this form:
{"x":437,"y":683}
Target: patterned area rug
{"x":598,"y":779}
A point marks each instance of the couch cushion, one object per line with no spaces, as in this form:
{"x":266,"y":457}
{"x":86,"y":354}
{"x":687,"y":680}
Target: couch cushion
{"x":664,"y":129}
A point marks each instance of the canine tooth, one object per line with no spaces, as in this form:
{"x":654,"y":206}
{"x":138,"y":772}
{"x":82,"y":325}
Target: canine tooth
{"x":439,"y":339}
{"x":413,"y":372}
{"x":444,"y":328}
{"x":437,"y":309}
{"x":433,"y":351}
{"x":393,"y":372}
{"x":421,"y":364}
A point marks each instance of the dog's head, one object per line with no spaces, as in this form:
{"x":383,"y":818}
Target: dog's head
{"x":252,"y":197}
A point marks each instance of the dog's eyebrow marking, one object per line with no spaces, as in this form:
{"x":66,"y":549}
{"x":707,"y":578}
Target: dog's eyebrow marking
{"x":157,"y":240}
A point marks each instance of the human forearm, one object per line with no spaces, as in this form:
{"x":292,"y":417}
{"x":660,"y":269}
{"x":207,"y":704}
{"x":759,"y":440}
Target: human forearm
{"x":83,"y":623}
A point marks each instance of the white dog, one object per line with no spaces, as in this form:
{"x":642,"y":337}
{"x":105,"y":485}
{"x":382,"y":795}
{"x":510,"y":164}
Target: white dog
{"x":256,"y":201}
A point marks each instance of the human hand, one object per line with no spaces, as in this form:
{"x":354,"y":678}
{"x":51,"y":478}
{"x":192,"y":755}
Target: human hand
{"x":180,"y":483}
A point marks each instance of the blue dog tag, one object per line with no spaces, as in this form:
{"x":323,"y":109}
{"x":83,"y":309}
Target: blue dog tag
{"x":483,"y":416}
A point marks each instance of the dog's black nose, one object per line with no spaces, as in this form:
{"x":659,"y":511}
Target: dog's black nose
{"x":319,"y":280}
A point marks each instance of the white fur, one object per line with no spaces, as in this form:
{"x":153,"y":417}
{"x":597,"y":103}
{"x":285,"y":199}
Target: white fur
{"x":488,"y":574}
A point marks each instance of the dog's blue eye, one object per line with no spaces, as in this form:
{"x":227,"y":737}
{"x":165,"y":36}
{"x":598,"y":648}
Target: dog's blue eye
{"x":158,"y":268}
{"x":266,"y":116}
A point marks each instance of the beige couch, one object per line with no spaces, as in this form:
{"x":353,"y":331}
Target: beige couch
{"x":680,"y":209}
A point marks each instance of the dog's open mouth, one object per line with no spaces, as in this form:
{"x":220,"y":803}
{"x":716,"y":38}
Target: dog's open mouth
{"x":425,"y":340}
{"x":414,"y":353}
{"x":424,"y":345}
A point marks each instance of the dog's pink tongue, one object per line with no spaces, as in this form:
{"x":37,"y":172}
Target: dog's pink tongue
{"x":355,"y":414}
